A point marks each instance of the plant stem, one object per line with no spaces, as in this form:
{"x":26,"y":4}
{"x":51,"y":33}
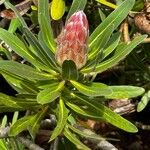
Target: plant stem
{"x":29,"y":144}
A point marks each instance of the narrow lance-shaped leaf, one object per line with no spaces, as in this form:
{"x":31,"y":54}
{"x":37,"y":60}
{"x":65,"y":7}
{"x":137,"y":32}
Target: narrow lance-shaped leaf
{"x":44,"y":18}
{"x":112,"y":44}
{"x":22,"y":70}
{"x":50,"y":53}
{"x":36,"y":120}
{"x":6,"y":52}
{"x":71,"y":137}
{"x":83,"y":112}
{"x":76,"y":5}
{"x":85,"y":132}
{"x":14,"y":24}
{"x":21,"y":85}
{"x":119,"y":92}
{"x":15,"y":117}
{"x":17,"y":103}
{"x":3,"y":145}
{"x":16,"y":44}
{"x":94,"y":89}
{"x":119,"y":54}
{"x":50,"y":94}
{"x":9,"y":5}
{"x":45,"y":24}
{"x":4,"y":109}
{"x":101,"y":42}
{"x":108,"y":115}
{"x":29,"y":87}
{"x":69,"y":70}
{"x":39,"y":50}
{"x":19,"y":47}
{"x":114,"y":18}
{"x":144,"y":101}
{"x":61,"y":121}
{"x":13,"y":109}
{"x":4,"y":122}
{"x":25,"y":26}
{"x":20,"y":125}
{"x":8,"y":101}
{"x":97,"y":53}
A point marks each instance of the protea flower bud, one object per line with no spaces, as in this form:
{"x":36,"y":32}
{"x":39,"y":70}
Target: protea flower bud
{"x":72,"y":42}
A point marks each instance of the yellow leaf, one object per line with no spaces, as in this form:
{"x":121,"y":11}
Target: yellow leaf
{"x":57,"y":9}
{"x":104,"y":2}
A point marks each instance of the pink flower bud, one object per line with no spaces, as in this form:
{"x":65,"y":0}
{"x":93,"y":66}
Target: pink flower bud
{"x":72,"y":42}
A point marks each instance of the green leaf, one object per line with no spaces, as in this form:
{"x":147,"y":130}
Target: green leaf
{"x":50,"y":54}
{"x":35,"y":122}
{"x":101,"y":14}
{"x":36,"y":60}
{"x":120,"y":53}
{"x":3,"y":145}
{"x":28,"y":87}
{"x":69,"y":70}
{"x":96,"y":54}
{"x":22,"y":21}
{"x":20,"y":125}
{"x":71,"y":119}
{"x":61,"y":121}
{"x":44,"y":84}
{"x":94,"y":89}
{"x":19,"y":84}
{"x":119,"y":92}
{"x":26,"y":96}
{"x":14,"y":24}
{"x":15,"y":117}
{"x":16,"y":44}
{"x":15,"y":102}
{"x":76,"y":5}
{"x":112,"y":44}
{"x":65,"y":144}
{"x":13,"y":109}
{"x":71,"y":137}
{"x":4,"y":122}
{"x":6,"y":52}
{"x":50,"y":94}
{"x":83,"y":112}
{"x":143,"y":103}
{"x":108,"y":115}
{"x":45,"y":24}
{"x":19,"y":47}
{"x":139,"y":5}
{"x":114,"y":18}
{"x":8,"y":101}
{"x":39,"y":50}
{"x":57,"y":9}
{"x":23,"y":71}
{"x":100,"y":42}
{"x":84,"y":132}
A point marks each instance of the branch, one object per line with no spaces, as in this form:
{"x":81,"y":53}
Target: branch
{"x":29,"y":144}
{"x":105,"y":145}
{"x":4,"y":132}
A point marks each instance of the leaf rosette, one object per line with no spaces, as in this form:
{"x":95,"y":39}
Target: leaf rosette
{"x":57,"y":79}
